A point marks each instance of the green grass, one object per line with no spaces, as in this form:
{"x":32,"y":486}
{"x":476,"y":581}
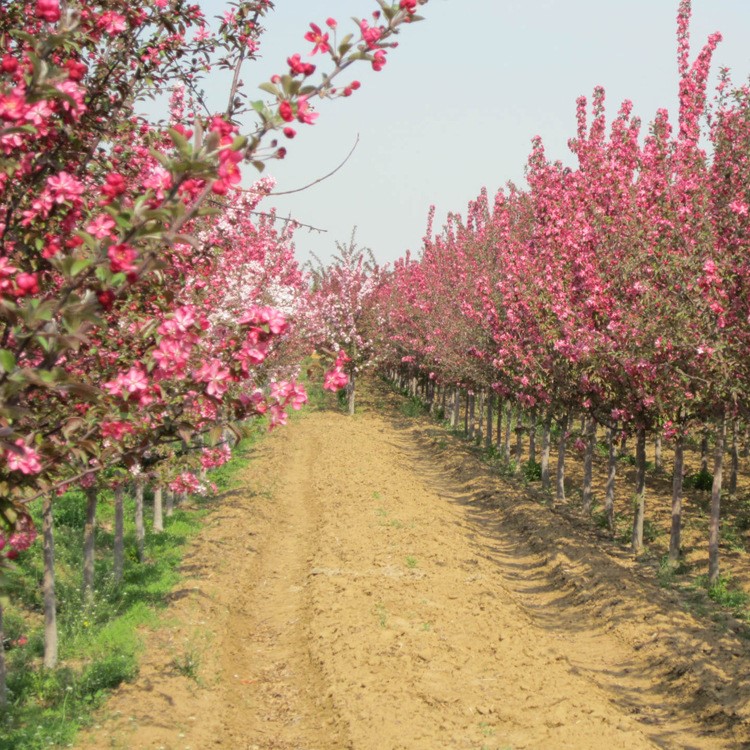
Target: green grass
{"x":413,"y":406}
{"x":727,"y":595}
{"x":99,"y":644}
{"x":702,"y":480}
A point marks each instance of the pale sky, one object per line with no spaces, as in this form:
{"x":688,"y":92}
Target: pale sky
{"x":458,"y":102}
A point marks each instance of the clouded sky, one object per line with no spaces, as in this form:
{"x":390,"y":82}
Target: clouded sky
{"x":458,"y":102}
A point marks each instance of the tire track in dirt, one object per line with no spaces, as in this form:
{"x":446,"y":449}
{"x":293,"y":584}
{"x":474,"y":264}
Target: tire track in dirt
{"x":241,"y":617}
{"x":370,"y":594}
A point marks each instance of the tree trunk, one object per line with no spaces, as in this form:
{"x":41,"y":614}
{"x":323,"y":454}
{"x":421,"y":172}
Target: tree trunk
{"x":735,"y":458}
{"x":588,"y":464}
{"x":480,"y":410}
{"x":675,"y":537}
{"x":636,"y":539}
{"x":140,"y":529}
{"x":560,"y":479}
{"x":532,"y":437}
{"x":48,"y":585}
{"x":119,"y":545}
{"x":89,"y":539}
{"x":546,"y":430}
{"x":3,"y":674}
{"x":704,"y":451}
{"x":658,"y":463}
{"x":350,"y":392}
{"x":466,"y":413}
{"x":499,"y":426}
{"x":508,"y":427}
{"x":518,"y":452}
{"x":488,"y":436}
{"x":158,"y":510}
{"x":609,"y":492}
{"x":713,"y":527}
{"x":170,"y":503}
{"x":472,"y":415}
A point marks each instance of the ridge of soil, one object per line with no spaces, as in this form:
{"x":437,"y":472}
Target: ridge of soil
{"x":375,"y":585}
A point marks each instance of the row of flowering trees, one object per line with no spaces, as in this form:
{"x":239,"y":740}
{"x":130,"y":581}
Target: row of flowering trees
{"x":146,"y":307}
{"x":618,"y":289}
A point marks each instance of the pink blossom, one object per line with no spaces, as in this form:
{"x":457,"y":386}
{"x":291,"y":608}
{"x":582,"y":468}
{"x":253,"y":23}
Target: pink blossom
{"x":48,"y":10}
{"x":122,"y":258}
{"x":304,"y":113}
{"x":278,"y":416}
{"x":318,"y":38}
{"x":215,"y":375}
{"x":64,"y":187}
{"x":113,"y":23}
{"x":27,"y":461}
{"x":116,"y":430}
{"x":101,"y":226}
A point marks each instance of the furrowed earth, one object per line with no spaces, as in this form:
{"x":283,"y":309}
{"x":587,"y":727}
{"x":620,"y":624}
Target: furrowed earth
{"x":373,"y":585}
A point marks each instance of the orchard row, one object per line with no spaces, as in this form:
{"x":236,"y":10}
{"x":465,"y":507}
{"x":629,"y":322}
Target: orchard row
{"x":148,"y":305}
{"x":617,"y":289}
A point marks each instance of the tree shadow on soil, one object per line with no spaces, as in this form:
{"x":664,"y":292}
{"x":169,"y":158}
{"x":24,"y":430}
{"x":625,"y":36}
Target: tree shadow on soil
{"x":575,"y":581}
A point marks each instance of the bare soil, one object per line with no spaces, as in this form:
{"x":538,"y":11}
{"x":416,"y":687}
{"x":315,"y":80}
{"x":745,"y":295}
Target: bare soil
{"x":375,"y":586}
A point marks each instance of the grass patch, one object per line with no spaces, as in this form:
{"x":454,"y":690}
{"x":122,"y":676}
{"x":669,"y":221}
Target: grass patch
{"x":726,"y":594}
{"x":413,"y":406}
{"x":702,"y":480}
{"x":98,"y":644}
{"x":531,"y":471}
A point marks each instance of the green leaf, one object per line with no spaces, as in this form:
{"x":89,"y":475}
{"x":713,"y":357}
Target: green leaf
{"x":78,"y":265}
{"x":269,"y":88}
{"x":7,"y":360}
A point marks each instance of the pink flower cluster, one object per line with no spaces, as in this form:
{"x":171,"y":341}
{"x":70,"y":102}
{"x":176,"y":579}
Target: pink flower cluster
{"x":336,"y":379}
{"x":20,"y":540}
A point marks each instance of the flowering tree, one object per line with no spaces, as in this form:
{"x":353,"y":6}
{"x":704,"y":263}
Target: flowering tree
{"x":127,"y":337}
{"x":99,"y":208}
{"x":342,"y":316}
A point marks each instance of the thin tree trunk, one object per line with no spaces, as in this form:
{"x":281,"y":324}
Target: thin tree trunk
{"x":499,"y":426}
{"x":170,"y":503}
{"x":140,"y":529}
{"x":89,"y":539}
{"x":466,"y":413}
{"x":609,"y":492}
{"x":735,"y":458}
{"x":350,"y":392}
{"x":3,"y":673}
{"x":546,"y":430}
{"x":704,"y":451}
{"x":560,"y":479}
{"x":675,"y":537}
{"x":480,"y":411}
{"x":158,"y":510}
{"x":532,"y":437}
{"x":713,"y":533}
{"x":472,"y":416}
{"x":658,"y":462}
{"x":519,"y":440}
{"x":48,"y":585}
{"x":119,"y":545}
{"x":588,"y":464}
{"x":488,"y":436}
{"x":636,"y":540}
{"x":508,"y":427}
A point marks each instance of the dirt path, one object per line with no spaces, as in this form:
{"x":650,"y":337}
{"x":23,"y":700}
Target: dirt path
{"x":374,"y":591}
